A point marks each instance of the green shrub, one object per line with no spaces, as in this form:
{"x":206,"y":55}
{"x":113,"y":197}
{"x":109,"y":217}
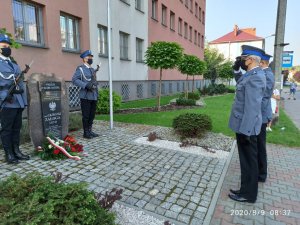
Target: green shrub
{"x":191,"y":95}
{"x":75,"y":121}
{"x":36,"y":199}
{"x":231,"y":90}
{"x":103,"y":102}
{"x":214,"y":89}
{"x":184,"y":101}
{"x":192,"y":124}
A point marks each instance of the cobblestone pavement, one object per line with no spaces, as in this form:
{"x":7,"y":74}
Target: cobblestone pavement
{"x":278,"y":198}
{"x":174,"y":185}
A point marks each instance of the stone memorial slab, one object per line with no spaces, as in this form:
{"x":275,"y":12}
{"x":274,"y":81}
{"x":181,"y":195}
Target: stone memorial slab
{"x":48,"y":107}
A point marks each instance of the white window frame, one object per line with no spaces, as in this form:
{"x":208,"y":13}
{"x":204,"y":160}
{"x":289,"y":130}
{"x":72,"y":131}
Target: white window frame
{"x":139,"y":50}
{"x":102,"y":40}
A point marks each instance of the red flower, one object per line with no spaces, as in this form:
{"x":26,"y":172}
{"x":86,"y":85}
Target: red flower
{"x":70,"y":140}
{"x":56,"y":151}
{"x":78,"y":148}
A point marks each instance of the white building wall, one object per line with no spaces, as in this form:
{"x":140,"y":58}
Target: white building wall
{"x":232,"y":50}
{"x":125,"y":18}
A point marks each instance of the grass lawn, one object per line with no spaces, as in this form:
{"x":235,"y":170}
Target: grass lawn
{"x":218,"y":108}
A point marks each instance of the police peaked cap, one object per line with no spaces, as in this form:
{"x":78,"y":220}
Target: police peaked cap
{"x":86,"y":53}
{"x":5,"y":39}
{"x":250,"y":50}
{"x":266,"y":57}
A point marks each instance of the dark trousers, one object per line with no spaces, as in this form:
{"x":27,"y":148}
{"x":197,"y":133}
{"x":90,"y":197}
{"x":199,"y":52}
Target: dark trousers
{"x":249,"y":168}
{"x":262,"y":153}
{"x":11,"y":123}
{"x":88,"y":108}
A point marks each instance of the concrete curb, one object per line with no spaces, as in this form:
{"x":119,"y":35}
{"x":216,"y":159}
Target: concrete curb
{"x":215,"y":197}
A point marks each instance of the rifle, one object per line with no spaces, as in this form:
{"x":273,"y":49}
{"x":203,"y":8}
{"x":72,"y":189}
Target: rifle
{"x":14,"y":84}
{"x":94,"y":79}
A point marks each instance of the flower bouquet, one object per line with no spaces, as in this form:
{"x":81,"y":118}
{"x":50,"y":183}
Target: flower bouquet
{"x":54,"y":148}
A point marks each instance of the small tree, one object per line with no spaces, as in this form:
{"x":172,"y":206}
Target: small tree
{"x":225,"y":71}
{"x":191,"y":65}
{"x":14,"y":43}
{"x":163,"y":55}
{"x":213,"y":60}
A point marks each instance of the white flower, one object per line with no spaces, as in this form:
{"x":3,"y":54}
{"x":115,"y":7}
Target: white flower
{"x":57,"y":142}
{"x":50,"y":146}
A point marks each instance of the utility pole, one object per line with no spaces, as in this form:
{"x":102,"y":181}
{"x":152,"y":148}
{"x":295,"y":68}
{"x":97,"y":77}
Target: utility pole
{"x":278,"y":46}
{"x":279,"y":42}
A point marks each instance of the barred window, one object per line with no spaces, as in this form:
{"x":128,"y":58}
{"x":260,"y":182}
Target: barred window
{"x":69,"y":29}
{"x":28,"y":22}
{"x":124,"y":41}
{"x":102,"y":40}
{"x":139,"y":49}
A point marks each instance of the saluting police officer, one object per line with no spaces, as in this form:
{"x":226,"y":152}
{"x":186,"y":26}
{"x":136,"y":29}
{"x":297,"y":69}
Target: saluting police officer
{"x":266,"y":111}
{"x":85,"y":78}
{"x":12,"y":105}
{"x":246,"y":120}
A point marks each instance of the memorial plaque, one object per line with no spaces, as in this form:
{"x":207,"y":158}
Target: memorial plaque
{"x":51,"y":108}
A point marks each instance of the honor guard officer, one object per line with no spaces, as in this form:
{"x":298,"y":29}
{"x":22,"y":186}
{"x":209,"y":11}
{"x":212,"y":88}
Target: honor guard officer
{"x":246,"y":120}
{"x":12,"y":105}
{"x":85,"y":78}
{"x":266,"y":111}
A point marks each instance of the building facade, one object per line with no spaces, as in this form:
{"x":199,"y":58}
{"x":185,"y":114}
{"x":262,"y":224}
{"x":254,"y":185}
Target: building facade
{"x":52,"y":33}
{"x":230,"y":44}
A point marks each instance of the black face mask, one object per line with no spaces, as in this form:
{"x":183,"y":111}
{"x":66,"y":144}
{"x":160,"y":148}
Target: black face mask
{"x":6,"y":51}
{"x":90,"y":61}
{"x":243,"y":65}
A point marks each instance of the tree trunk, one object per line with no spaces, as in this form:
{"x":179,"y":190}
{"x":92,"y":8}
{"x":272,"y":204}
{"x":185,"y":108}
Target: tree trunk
{"x":186,"y":87}
{"x":159,"y":90}
{"x":193,"y":87}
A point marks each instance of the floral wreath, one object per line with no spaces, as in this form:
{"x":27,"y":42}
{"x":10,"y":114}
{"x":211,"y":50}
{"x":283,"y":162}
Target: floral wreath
{"x":54,"y":148}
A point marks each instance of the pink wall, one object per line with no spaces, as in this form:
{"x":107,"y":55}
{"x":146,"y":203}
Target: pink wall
{"x":51,"y":59}
{"x":158,"y":32}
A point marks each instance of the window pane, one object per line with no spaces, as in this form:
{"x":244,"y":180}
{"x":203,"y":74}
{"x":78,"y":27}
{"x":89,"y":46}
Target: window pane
{"x":31,"y":23}
{"x":103,"y":41}
{"x":18,"y":20}
{"x":63,"y":31}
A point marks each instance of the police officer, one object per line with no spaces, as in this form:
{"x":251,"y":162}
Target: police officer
{"x":12,"y":105}
{"x":85,"y":78}
{"x":266,"y":111}
{"x":246,"y":120}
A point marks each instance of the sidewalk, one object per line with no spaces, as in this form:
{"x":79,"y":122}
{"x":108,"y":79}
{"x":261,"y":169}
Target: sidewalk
{"x":278,"y":201}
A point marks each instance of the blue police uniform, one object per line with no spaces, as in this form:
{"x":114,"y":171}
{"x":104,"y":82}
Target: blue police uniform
{"x":246,"y":120}
{"x":85,"y":78}
{"x":11,"y":107}
{"x":266,"y":111}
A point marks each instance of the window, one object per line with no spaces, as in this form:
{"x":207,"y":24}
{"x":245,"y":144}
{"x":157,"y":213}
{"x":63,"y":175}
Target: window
{"x":191,"y":34}
{"x":138,"y":5}
{"x":200,"y":14}
{"x":187,"y":3}
{"x":172,"y":20}
{"x":203,"y":17}
{"x":164,"y":15}
{"x":196,"y":9}
{"x":69,"y":32}
{"x":179,"y":26}
{"x":199,"y":39}
{"x":154,"y":9}
{"x":202,"y":41}
{"x":139,"y":49}
{"x":124,"y":40}
{"x":28,"y":22}
{"x":195,"y":37}
{"x":102,"y":40}
{"x":185,"y":30}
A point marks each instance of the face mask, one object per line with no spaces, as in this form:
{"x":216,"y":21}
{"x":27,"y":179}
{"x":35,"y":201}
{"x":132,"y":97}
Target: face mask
{"x":6,"y":51}
{"x":90,"y":61}
{"x":243,"y":65}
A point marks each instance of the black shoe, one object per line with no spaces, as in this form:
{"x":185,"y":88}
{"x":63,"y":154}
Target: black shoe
{"x":93,"y":134}
{"x":87,"y":136}
{"x":236,"y":192}
{"x":12,"y":161}
{"x":19,"y":155}
{"x":239,"y":198}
